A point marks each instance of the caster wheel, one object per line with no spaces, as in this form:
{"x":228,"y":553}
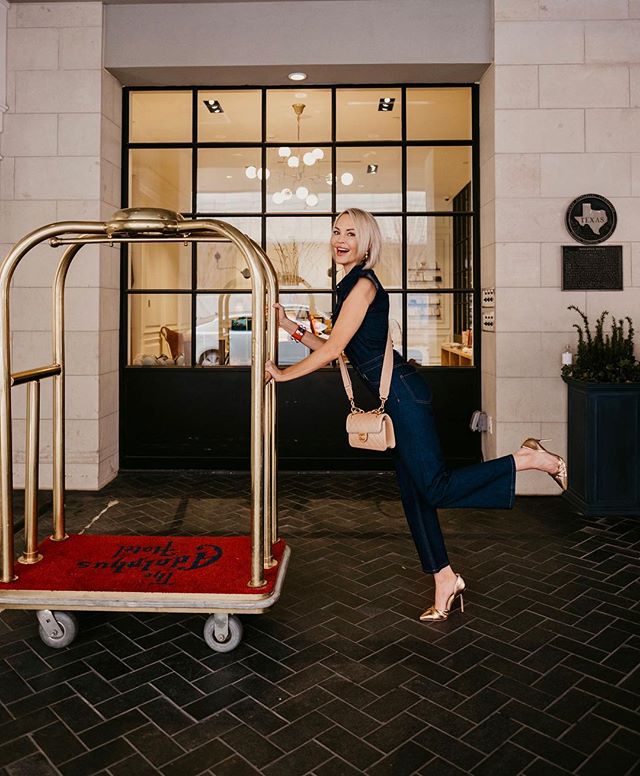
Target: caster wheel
{"x":234,"y":636}
{"x":60,"y":629}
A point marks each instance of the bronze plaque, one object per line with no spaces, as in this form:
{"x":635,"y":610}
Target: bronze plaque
{"x":592,"y":268}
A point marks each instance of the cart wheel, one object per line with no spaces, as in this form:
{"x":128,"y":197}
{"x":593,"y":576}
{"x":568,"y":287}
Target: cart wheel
{"x":57,"y":629}
{"x":233,"y":626}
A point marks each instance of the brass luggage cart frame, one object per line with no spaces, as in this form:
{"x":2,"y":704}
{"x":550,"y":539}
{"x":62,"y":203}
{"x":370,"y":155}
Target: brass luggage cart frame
{"x":268,"y":555}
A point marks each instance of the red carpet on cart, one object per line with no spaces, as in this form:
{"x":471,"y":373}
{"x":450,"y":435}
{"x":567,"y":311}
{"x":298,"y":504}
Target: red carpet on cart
{"x":182,"y":564}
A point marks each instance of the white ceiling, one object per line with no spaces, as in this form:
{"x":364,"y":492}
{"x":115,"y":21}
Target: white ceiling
{"x":138,"y":2}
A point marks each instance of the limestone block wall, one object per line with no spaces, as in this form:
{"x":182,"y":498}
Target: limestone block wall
{"x":61,"y":161}
{"x":4,"y":11}
{"x":564,"y":93}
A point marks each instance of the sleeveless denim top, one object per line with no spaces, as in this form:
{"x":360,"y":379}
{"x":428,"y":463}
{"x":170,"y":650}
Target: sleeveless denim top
{"x":367,"y":346}
{"x":369,"y":341}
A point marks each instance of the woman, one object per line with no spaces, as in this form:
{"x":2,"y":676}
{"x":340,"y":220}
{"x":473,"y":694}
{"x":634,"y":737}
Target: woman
{"x":360,"y":329}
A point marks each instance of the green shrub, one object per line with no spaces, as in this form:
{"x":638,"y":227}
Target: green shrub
{"x":604,"y":358}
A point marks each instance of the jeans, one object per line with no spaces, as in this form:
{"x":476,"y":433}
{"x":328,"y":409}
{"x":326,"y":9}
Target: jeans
{"x":424,"y":480}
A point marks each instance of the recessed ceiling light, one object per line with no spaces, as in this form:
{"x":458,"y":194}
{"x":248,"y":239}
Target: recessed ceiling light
{"x":297,"y":76}
{"x":386,"y":103}
{"x":213,"y":106}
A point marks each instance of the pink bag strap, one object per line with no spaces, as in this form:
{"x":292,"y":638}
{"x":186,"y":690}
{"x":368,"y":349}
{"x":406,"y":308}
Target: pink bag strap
{"x":385,"y":377}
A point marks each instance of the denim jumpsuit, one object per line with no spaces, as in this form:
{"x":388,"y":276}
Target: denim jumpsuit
{"x":425,"y":482}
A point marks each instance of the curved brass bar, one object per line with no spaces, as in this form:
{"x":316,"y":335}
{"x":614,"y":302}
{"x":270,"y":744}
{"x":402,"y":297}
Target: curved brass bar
{"x":258,"y":359}
{"x":223,"y":322}
{"x":31,"y":476}
{"x":39,"y":373}
{"x":269,"y":469}
{"x":7,"y":268}
{"x":59,"y":533}
{"x":133,"y":239}
{"x":273,"y":336}
{"x":270,"y":437}
{"x":264,"y":345}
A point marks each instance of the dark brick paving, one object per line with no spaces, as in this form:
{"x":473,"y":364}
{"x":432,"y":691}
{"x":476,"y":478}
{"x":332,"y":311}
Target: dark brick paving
{"x":539,"y":676}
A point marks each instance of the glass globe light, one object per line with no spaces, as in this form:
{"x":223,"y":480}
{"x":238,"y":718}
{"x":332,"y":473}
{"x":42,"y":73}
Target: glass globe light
{"x":346,"y":178}
{"x":263,"y":173}
{"x":312,"y":200}
{"x":278,"y":198}
{"x":329,"y":178}
{"x":287,"y":193}
{"x":250,"y":172}
{"x":302,"y":192}
{"x":309,"y":158}
{"x":293,"y":161}
{"x":318,"y":153}
{"x":284,"y":151}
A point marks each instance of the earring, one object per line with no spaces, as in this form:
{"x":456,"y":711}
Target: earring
{"x":366,"y":256}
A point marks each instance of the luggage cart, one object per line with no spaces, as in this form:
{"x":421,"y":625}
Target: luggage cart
{"x":222,"y":576}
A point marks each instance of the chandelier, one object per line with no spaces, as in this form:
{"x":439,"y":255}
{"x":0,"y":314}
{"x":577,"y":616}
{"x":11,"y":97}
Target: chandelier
{"x":297,"y":170}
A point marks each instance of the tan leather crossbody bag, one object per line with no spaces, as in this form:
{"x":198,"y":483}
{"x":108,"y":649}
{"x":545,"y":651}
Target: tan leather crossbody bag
{"x":372,"y":430}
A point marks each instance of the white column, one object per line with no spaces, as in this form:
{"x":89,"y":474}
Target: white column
{"x":567,"y":122}
{"x":4,"y":12}
{"x":61,"y":149}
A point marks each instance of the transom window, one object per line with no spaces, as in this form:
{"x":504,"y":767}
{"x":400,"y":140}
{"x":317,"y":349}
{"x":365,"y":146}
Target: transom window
{"x":280,"y":164}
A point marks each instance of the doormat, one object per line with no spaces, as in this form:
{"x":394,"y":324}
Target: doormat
{"x":132,"y":564}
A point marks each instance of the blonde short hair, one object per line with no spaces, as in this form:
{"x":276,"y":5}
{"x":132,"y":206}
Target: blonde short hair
{"x":368,"y":236}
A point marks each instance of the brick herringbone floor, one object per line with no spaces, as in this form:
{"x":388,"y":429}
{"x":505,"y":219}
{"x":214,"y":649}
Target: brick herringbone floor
{"x":539,"y":676}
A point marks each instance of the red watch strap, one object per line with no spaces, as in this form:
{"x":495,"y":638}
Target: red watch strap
{"x":299,"y":333}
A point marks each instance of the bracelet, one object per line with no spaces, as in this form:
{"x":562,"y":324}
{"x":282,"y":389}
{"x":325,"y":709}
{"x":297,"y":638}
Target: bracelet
{"x":299,"y":333}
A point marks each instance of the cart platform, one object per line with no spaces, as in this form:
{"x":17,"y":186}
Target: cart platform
{"x":170,"y":573}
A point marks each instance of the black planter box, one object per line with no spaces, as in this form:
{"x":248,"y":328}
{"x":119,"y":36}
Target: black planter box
{"x":603,"y":448}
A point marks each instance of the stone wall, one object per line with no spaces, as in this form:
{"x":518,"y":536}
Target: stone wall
{"x":566,"y":91}
{"x":560,"y":116}
{"x":61,"y":149}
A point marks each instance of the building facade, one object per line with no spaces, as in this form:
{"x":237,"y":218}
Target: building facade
{"x":554,"y":96}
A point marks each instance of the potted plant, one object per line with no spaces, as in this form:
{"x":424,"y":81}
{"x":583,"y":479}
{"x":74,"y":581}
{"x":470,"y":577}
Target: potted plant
{"x":603,"y":445}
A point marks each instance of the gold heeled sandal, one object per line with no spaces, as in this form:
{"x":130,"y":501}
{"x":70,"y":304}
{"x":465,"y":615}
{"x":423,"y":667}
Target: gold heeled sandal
{"x":560,"y":476}
{"x":432,"y":614}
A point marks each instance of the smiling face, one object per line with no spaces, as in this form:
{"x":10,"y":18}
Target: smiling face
{"x":344,"y":243}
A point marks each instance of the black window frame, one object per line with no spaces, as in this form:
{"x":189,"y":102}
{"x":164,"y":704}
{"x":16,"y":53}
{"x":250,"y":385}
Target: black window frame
{"x":462,"y":296}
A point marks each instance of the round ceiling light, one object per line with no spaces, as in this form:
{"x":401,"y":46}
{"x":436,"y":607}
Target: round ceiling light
{"x":297,"y":76}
